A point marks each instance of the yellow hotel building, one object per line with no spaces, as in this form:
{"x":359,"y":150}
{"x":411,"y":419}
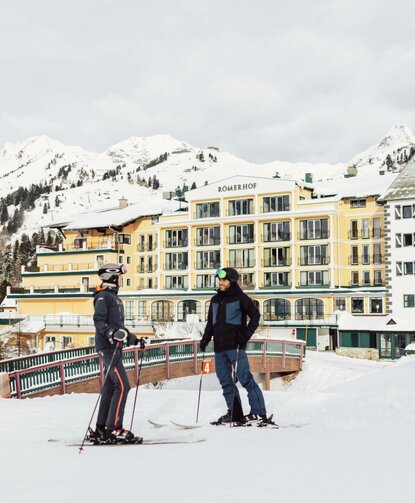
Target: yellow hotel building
{"x":300,"y":257}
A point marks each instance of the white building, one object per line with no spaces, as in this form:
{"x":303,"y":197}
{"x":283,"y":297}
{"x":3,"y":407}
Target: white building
{"x":400,"y":241}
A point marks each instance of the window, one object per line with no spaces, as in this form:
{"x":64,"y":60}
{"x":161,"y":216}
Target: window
{"x":277,"y":279}
{"x":173,"y":282}
{"x":155,"y":219}
{"x":398,"y":240}
{"x":176,"y":238}
{"x":176,"y":261}
{"x":376,"y":305}
{"x":276,"y":257}
{"x":313,"y":255}
{"x":205,"y":281}
{"x":66,"y":341}
{"x":79,"y":243}
{"x":277,"y":231}
{"x":124,"y":239}
{"x":241,"y":234}
{"x":186,"y":307}
{"x":142,"y":309}
{"x":398,"y":268}
{"x":365,"y":255}
{"x":247,"y":280}
{"x":309,"y":309}
{"x":355,"y":278}
{"x":275,"y":203}
{"x":407,"y":240}
{"x":340,"y":304}
{"x":207,"y":210}
{"x":377,"y":230}
{"x":377,"y":278}
{"x":354,"y":257}
{"x":242,"y":258}
{"x":120,"y":259}
{"x":240,"y":207}
{"x":128,"y":282}
{"x":208,"y":259}
{"x":314,"y":229}
{"x":277,"y":309}
{"x":162,"y":310}
{"x":409,"y":300}
{"x":128,"y":260}
{"x":398,"y":212}
{"x":357,"y":305}
{"x":100,"y":260}
{"x":354,"y":229}
{"x":314,"y":278}
{"x":129,"y":309}
{"x":377,"y":254}
{"x":408,"y":268}
{"x":365,"y":228}
{"x":140,"y":245}
{"x":366,"y":277}
{"x":357,"y":203}
{"x":407,"y":211}
{"x":207,"y":236}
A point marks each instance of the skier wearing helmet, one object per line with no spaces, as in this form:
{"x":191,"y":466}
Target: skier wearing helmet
{"x":110,"y":334}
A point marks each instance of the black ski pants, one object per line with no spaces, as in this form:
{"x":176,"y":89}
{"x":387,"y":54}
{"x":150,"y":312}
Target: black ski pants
{"x":115,"y":390}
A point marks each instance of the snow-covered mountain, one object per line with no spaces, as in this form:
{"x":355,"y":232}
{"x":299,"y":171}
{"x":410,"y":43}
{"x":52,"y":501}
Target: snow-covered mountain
{"x":145,"y":167}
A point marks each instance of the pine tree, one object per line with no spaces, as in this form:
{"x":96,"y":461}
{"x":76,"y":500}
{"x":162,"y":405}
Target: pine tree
{"x":193,"y":186}
{"x":4,"y":215}
{"x":57,"y":201}
{"x":45,"y":208}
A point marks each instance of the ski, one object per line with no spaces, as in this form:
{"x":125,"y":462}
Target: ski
{"x":186,"y":426}
{"x":156,"y":441}
{"x":182,"y":426}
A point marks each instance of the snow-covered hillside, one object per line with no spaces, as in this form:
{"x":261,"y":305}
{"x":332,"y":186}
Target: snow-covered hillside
{"x":80,"y":180}
{"x":347,"y":435}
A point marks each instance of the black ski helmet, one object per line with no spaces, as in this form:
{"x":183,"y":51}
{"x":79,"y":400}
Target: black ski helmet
{"x":227,"y":273}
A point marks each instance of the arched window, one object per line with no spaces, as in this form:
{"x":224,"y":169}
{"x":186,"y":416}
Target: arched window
{"x":277,"y":309}
{"x":162,"y":310}
{"x":309,"y":309}
{"x":186,"y":307}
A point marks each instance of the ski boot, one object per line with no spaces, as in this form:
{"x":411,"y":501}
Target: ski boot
{"x":267,"y":421}
{"x":227,"y":418}
{"x":123,"y":436}
{"x":101,"y":435}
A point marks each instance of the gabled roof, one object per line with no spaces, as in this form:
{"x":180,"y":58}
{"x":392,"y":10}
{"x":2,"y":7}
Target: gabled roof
{"x":404,"y":185}
{"x":118,"y":217}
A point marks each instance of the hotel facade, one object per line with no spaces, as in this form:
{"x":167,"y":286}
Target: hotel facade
{"x":302,"y":259}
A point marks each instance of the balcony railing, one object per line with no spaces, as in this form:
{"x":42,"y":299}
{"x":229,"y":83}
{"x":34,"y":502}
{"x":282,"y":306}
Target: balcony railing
{"x":212,"y":242}
{"x":314,"y":261}
{"x":180,"y":243}
{"x":242,"y":265}
{"x":281,"y":263}
{"x":314,"y":235}
{"x":206,"y":265}
{"x":283,"y":236}
{"x":175,"y":267}
{"x":243,"y":241}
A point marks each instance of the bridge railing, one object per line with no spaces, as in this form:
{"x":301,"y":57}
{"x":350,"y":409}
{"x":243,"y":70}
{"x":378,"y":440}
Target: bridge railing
{"x":67,"y":368}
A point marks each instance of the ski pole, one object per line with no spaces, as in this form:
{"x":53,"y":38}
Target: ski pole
{"x":142,"y":348}
{"x":99,"y":396}
{"x":235,"y":380}
{"x":200,"y":387}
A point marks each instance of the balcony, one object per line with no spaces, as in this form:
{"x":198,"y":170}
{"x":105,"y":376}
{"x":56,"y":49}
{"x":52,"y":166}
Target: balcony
{"x":244,"y":241}
{"x":241,"y":265}
{"x":50,"y":289}
{"x":210,"y":242}
{"x":313,"y":236}
{"x":206,"y":265}
{"x":107,"y":244}
{"x":180,"y":243}
{"x":280,"y":263}
{"x":310,"y":261}
{"x":91,"y":267}
{"x":175,"y":267}
{"x":283,"y":236}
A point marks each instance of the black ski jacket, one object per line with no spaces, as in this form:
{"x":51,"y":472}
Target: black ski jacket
{"x":227,"y":318}
{"x":108,"y":313}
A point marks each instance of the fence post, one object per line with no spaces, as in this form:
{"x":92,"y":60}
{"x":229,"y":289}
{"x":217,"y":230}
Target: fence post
{"x":264,"y":354}
{"x":167,"y":361}
{"x":18,"y":385}
{"x":301,"y":355}
{"x":284,"y":347}
{"x":62,"y":377}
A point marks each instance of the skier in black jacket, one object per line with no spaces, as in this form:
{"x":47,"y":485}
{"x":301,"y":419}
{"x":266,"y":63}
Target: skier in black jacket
{"x":227,"y":324}
{"x":110,"y":334}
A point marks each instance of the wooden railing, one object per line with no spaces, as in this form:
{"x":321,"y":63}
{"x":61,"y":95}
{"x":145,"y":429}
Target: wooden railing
{"x":31,"y":375}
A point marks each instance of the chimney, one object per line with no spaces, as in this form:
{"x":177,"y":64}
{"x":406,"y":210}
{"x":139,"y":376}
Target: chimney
{"x":123,"y":203}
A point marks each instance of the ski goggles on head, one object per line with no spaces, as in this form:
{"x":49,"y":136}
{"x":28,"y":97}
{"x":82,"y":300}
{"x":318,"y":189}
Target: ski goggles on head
{"x":220,"y":273}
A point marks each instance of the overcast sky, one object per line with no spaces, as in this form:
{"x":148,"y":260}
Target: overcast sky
{"x":306,"y":80}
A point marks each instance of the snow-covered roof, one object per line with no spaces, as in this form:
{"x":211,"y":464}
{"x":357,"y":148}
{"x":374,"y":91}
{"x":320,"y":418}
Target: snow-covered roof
{"x":404,"y":185}
{"x":8,"y":303}
{"x":114,"y":217}
{"x":28,"y":326}
{"x":356,"y":186}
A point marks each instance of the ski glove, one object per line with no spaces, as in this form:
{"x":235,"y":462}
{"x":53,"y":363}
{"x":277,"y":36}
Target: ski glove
{"x":120,"y":335}
{"x":132,"y":339}
{"x":203,"y":344}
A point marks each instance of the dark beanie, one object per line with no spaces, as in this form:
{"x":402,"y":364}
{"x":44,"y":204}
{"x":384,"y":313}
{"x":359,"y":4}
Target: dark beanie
{"x":231,"y":274}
